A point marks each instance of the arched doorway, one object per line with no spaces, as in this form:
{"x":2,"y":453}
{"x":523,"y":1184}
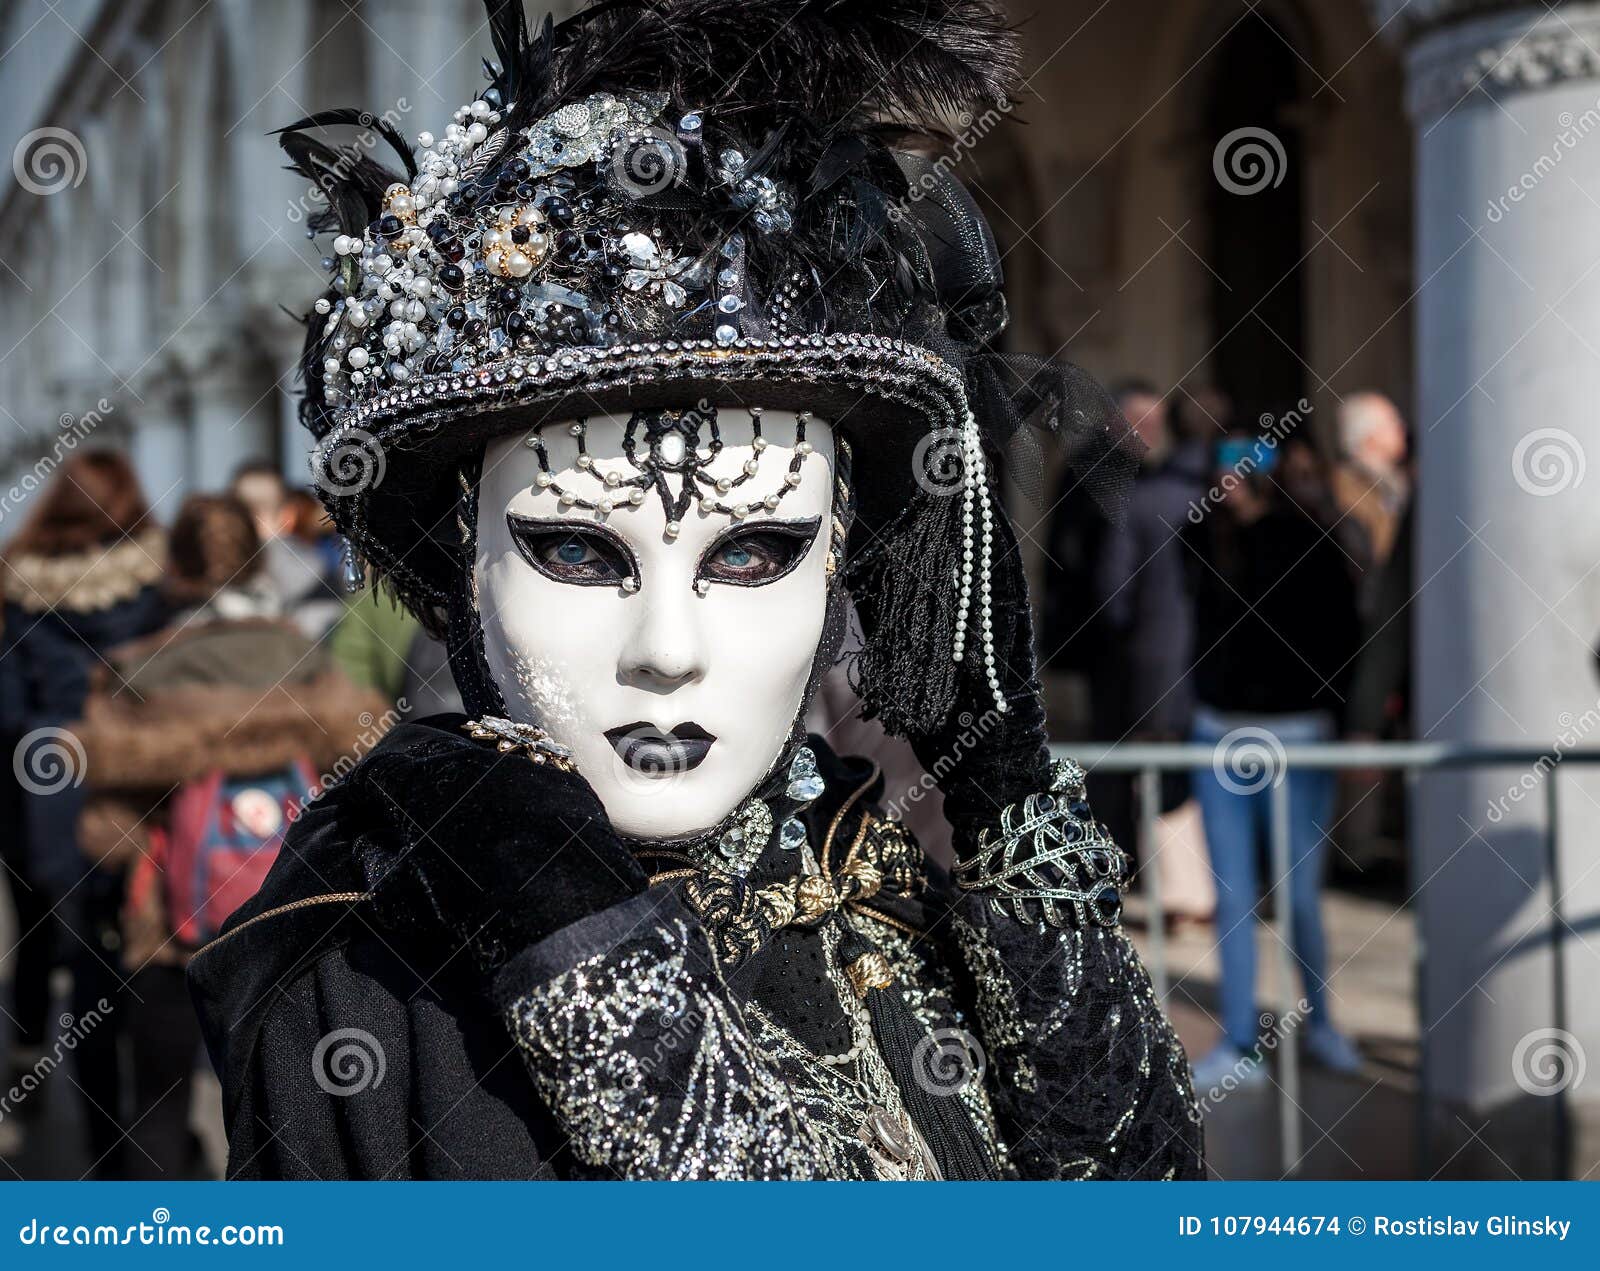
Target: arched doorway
{"x":1255,"y":149}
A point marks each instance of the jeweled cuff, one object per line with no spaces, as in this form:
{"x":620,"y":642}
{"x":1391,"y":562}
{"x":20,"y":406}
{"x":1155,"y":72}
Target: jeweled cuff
{"x":1050,"y":861}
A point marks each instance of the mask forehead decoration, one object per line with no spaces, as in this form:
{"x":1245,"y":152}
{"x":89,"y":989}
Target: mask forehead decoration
{"x":679,"y":446}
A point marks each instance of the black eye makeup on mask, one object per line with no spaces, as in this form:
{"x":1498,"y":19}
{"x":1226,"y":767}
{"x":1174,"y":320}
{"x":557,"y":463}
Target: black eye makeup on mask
{"x":583,"y":555}
{"x":751,"y":555}
{"x":756,"y":554}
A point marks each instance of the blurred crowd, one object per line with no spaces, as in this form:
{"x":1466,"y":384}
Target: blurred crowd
{"x":1253,"y":599}
{"x":171,"y":697}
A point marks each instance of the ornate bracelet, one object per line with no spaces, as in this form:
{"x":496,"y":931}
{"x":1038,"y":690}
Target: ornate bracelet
{"x":512,"y":738}
{"x":1050,"y":862}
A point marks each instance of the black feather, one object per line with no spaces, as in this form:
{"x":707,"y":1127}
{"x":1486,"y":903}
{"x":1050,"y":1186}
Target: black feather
{"x":351,"y":183}
{"x":762,"y":160}
{"x":839,"y":158}
{"x":518,"y":65}
{"x":839,"y":63}
{"x":359,"y":119}
{"x":835,"y":61}
{"x":813,"y":87}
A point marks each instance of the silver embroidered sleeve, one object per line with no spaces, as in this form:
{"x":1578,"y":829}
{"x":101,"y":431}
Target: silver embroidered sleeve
{"x":1049,"y":861}
{"x":1089,"y":1079}
{"x":648,"y":1065}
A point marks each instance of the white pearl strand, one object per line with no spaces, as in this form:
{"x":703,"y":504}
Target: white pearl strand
{"x":976,"y":504}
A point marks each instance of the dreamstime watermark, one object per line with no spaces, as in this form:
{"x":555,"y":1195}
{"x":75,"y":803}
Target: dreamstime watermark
{"x":73,"y":1031}
{"x":1275,"y":1030}
{"x":939,"y":462}
{"x":160,"y":1231}
{"x":1573,"y":130}
{"x":973,"y":730}
{"x":320,"y":191}
{"x":973,"y":130}
{"x":72,"y":430}
{"x":48,"y":760}
{"x":354,"y":464}
{"x":1275,"y":430}
{"x":347,"y":1061}
{"x":1549,"y":461}
{"x":648,"y":162}
{"x":49,"y":160}
{"x":947,"y":1061}
{"x":1247,"y":760}
{"x":1548,"y":1061}
{"x":1573,"y":730}
{"x":1249,"y":160}
{"x":373,"y":728}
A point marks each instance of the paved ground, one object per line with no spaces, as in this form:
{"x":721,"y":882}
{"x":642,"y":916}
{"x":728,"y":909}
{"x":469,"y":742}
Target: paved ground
{"x":1359,"y":1126}
{"x":1368,"y":1125}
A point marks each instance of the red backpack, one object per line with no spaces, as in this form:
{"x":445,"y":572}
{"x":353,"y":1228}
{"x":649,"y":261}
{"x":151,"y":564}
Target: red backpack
{"x":223,"y":833}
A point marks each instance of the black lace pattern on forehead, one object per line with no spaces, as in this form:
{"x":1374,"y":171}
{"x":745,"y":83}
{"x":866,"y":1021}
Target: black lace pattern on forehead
{"x":672,"y":452}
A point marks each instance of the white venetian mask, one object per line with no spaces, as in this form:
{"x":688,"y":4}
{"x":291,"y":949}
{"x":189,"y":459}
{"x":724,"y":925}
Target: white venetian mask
{"x":666,"y":645}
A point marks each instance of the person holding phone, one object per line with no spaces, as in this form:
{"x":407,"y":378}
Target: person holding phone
{"x":1276,"y":633}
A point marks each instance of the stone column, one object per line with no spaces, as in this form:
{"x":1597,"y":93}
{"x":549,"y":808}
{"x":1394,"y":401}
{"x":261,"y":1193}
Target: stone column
{"x":1505,"y":102}
{"x":423,"y":59}
{"x":266,"y":51}
{"x":234,"y":420}
{"x":162,"y":453}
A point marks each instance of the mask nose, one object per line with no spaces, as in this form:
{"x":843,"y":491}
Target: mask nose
{"x":664,"y":649}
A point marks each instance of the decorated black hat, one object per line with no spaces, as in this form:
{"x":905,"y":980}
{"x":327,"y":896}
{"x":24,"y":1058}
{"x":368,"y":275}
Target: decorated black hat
{"x":664,"y":203}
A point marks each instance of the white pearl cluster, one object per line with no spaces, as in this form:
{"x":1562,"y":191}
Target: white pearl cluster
{"x":504,"y":257}
{"x":396,"y":294}
{"x":977,"y":527}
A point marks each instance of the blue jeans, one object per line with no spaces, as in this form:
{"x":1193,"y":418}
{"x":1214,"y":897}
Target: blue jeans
{"x":1236,"y":806}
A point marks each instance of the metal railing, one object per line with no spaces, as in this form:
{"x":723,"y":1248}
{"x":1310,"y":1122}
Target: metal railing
{"x":1148,"y":760}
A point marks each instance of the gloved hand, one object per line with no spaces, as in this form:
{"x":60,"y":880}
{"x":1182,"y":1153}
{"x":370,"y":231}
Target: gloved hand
{"x":536,"y":854}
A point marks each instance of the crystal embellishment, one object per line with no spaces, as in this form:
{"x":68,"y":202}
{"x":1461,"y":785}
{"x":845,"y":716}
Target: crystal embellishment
{"x":748,"y":837}
{"x":805,"y":785}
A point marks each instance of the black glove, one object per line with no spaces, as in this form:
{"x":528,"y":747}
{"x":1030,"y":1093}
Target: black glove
{"x":489,"y":850}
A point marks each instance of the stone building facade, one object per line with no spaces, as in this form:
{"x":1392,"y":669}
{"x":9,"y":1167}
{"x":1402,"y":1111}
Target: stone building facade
{"x":148,"y":233}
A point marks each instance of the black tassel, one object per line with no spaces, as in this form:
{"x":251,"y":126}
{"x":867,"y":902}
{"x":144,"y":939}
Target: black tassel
{"x":908,"y":1049}
{"x":905,"y":674}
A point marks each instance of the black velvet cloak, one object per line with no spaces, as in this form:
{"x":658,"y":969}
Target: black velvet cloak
{"x":658,"y":1034}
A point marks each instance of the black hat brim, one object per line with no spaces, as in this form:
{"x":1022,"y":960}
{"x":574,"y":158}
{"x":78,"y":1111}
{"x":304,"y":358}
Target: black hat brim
{"x":389,"y":470}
